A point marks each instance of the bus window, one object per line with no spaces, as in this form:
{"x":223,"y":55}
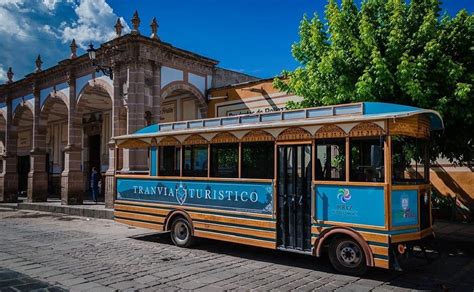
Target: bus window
{"x":225,"y":160}
{"x":195,"y":160}
{"x":169,"y":157}
{"x":367,"y":159}
{"x":330,"y":159}
{"x":258,"y":160}
{"x":409,"y":160}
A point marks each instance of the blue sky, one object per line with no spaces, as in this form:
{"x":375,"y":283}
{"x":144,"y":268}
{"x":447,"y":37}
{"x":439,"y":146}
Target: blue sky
{"x":250,"y":36}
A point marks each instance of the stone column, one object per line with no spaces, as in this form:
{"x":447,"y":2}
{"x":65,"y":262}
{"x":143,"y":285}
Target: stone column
{"x":9,"y":175}
{"x":72,"y":186}
{"x":110,"y":193}
{"x":156,"y":92}
{"x":110,"y":173}
{"x":137,"y":158}
{"x":37,"y":177}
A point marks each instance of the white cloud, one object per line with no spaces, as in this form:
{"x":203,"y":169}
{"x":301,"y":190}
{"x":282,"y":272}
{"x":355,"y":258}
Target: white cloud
{"x":46,"y":27}
{"x":95,"y":22}
{"x":3,"y":74}
{"x":11,"y":25}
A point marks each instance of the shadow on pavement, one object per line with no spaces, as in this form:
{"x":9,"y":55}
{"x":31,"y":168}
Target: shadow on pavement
{"x":447,"y":259}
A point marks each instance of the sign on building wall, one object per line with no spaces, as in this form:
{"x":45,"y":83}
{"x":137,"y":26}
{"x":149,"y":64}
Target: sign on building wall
{"x":24,"y":139}
{"x":168,"y":112}
{"x":255,"y":105}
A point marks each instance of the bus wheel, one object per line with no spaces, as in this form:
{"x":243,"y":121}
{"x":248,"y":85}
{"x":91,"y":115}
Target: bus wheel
{"x":181,"y":233}
{"x":347,"y":256}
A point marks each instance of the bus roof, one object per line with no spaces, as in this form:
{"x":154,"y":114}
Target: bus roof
{"x":354,"y":112}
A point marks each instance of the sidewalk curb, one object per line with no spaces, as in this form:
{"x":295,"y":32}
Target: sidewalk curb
{"x":69,"y":210}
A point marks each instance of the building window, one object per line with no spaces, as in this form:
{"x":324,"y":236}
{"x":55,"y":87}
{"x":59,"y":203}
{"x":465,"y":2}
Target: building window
{"x":367,"y":159}
{"x":169,"y":157}
{"x":224,"y":160}
{"x":330,"y":159}
{"x":410,"y":160}
{"x":195,"y":160}
{"x":258,"y":160}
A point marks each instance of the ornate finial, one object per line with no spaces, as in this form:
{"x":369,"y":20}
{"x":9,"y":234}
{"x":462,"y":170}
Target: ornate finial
{"x":73,"y":47}
{"x":154,"y":29}
{"x":10,"y":75}
{"x":118,"y":27}
{"x":38,"y":63}
{"x":135,"y":23}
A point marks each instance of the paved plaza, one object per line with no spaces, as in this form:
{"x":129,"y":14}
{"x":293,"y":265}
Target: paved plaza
{"x":51,"y":252}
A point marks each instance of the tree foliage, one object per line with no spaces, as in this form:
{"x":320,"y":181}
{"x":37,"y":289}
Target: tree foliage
{"x":391,"y":51}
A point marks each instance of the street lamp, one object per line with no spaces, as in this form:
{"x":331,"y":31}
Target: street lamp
{"x":107,"y":70}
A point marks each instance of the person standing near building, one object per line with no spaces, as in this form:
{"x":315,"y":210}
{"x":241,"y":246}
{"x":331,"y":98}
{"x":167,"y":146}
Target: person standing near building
{"x":95,"y":177}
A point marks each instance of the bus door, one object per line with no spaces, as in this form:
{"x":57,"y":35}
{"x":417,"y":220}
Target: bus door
{"x":294,"y":197}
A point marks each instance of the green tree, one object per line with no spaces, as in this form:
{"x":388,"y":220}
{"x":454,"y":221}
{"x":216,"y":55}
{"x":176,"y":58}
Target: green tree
{"x":391,"y":51}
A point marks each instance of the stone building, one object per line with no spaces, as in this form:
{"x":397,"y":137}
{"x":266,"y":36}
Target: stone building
{"x":56,"y":123}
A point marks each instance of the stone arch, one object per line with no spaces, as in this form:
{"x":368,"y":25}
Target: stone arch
{"x":23,"y":108}
{"x":91,"y":126}
{"x":177,"y":86}
{"x":97,"y":83}
{"x":50,"y":105}
{"x":330,"y":131}
{"x":294,"y":134}
{"x":56,"y":96}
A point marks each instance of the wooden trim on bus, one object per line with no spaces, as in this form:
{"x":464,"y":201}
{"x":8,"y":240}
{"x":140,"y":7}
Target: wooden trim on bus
{"x":140,"y":209}
{"x":345,"y":224}
{"x":388,"y":177}
{"x":234,"y":229}
{"x":232,"y":220}
{"x":405,"y":227}
{"x":197,"y":209}
{"x":239,"y":162}
{"x":141,"y":217}
{"x":368,"y":236}
{"x":223,"y":179}
{"x":140,"y":224}
{"x":380,"y":250}
{"x":275,"y":181}
{"x":396,"y":238}
{"x":181,"y":162}
{"x":409,"y":187}
{"x":381,"y":263}
{"x":236,"y":239}
{"x":347,"y":159}
{"x":296,"y":142}
{"x":350,"y":183}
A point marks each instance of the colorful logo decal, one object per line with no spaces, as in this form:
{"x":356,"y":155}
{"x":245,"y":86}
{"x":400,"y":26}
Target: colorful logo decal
{"x":344,"y":195}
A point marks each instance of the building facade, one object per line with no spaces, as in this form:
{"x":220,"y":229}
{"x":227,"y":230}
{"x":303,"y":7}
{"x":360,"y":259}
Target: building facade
{"x":56,"y":124}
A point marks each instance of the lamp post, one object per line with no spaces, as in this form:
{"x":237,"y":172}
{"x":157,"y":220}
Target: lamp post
{"x":107,"y":70}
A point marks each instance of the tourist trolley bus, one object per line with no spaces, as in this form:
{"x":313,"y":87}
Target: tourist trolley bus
{"x":350,"y":180}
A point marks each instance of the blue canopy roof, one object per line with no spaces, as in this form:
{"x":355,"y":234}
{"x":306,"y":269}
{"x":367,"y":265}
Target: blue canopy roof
{"x":357,"y":110}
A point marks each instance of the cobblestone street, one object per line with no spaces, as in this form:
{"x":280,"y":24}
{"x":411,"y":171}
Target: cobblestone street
{"x":51,"y":252}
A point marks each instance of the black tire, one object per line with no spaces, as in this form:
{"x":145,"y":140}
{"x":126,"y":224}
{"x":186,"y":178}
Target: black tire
{"x":181,"y":233}
{"x":347,"y":256}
